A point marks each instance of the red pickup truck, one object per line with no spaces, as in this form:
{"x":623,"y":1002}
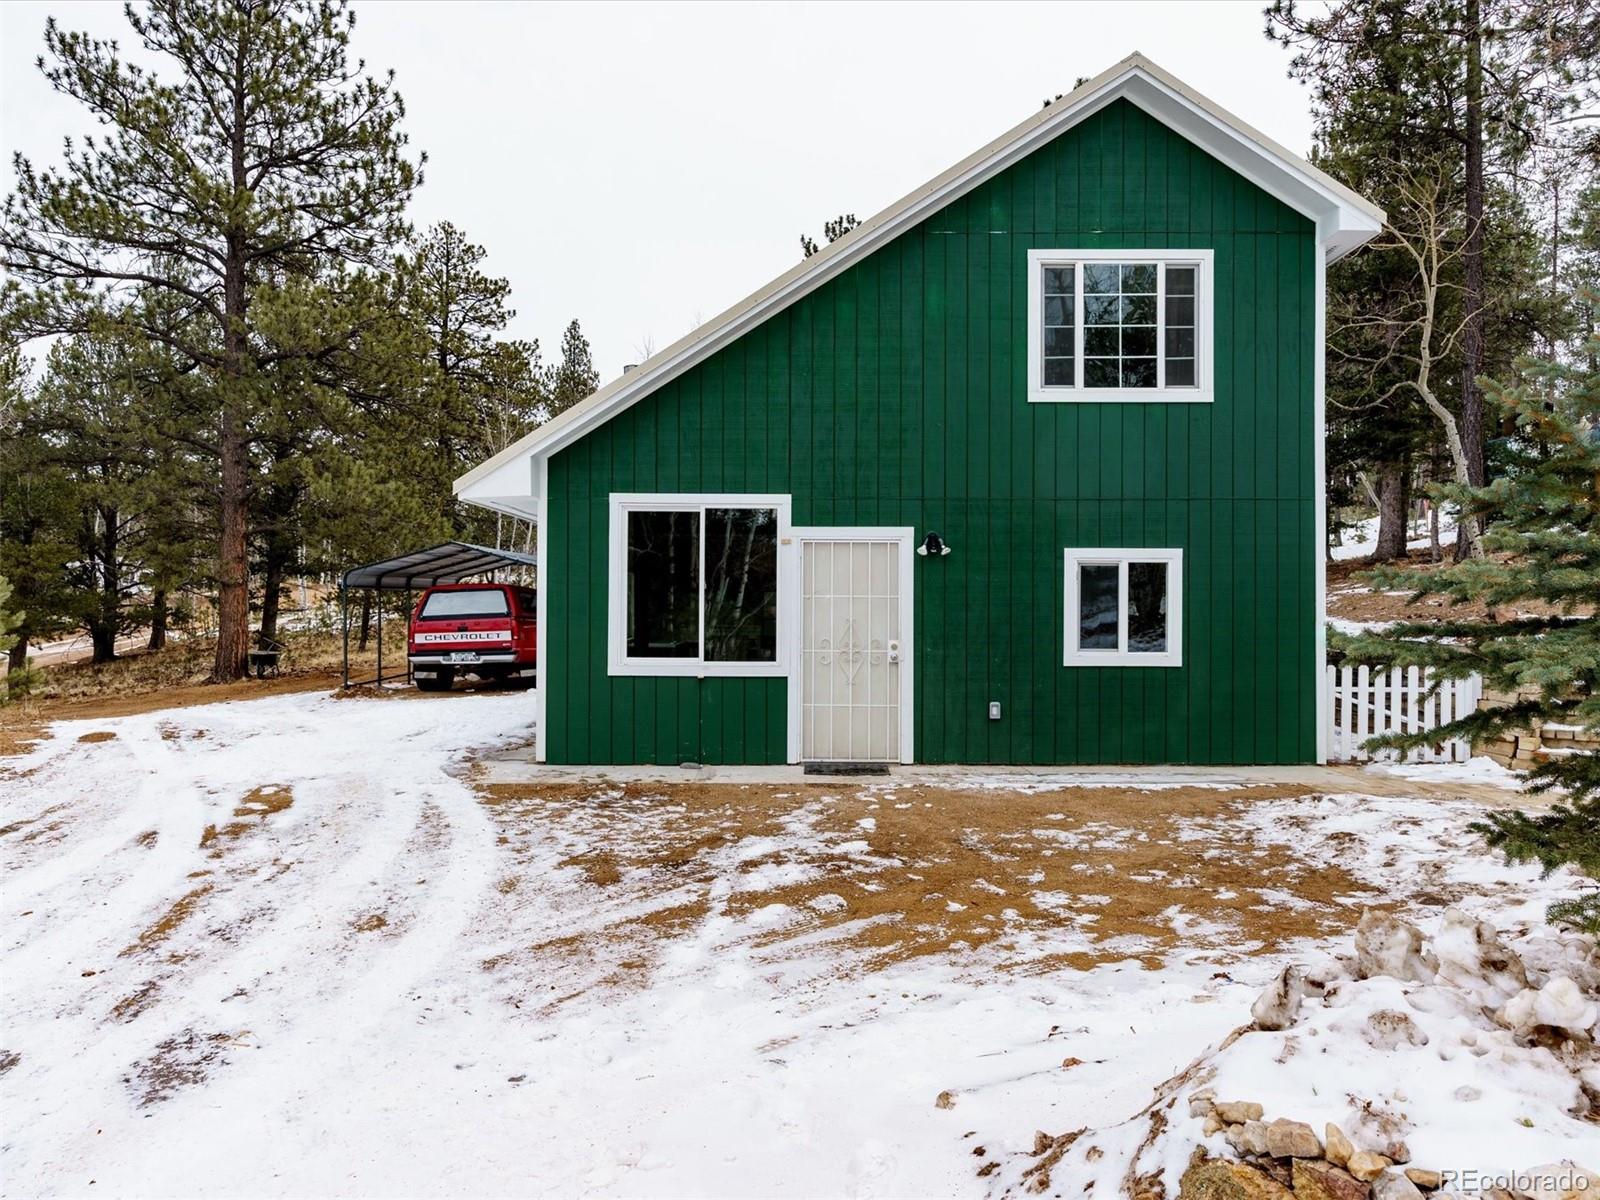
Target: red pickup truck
{"x":481,"y":629}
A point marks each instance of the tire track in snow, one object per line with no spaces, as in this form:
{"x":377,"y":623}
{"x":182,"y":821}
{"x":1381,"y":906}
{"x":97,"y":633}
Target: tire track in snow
{"x":351,"y":838}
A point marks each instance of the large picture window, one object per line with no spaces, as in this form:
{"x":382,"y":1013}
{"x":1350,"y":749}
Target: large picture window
{"x":1124,"y":608}
{"x":1119,"y":325}
{"x":695,"y":584}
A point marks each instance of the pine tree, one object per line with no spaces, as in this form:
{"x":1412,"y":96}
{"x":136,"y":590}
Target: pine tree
{"x":1544,"y":547}
{"x":476,"y":391}
{"x":574,"y":377}
{"x":36,"y":516}
{"x":835,"y":229}
{"x":18,"y":678}
{"x":257,"y":155}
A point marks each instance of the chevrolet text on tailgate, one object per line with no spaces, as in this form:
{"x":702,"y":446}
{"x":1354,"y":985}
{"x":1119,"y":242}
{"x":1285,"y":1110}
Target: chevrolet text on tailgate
{"x":482,"y":629}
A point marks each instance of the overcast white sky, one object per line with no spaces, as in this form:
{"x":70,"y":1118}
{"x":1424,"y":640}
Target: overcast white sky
{"x":642,"y":167}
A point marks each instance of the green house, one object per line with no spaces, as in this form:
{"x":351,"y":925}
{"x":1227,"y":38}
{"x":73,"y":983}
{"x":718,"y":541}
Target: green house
{"x":1026,"y":469}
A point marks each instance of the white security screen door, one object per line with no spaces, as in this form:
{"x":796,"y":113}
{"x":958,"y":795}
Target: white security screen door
{"x":851,"y":650}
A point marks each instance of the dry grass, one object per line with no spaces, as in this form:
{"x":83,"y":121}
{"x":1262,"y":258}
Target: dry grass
{"x":884,"y":874}
{"x":1351,"y":598}
{"x":258,"y":804}
{"x":174,"y":677}
{"x":168,"y":923}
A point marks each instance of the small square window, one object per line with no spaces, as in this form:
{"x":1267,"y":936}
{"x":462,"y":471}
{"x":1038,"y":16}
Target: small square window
{"x":1124,"y":608}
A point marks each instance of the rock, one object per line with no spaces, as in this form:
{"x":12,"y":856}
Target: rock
{"x":1428,"y":1181}
{"x":1292,"y":1139}
{"x":1560,"y":1181}
{"x":1254,"y":1137}
{"x":1392,"y":1185}
{"x":1042,"y":1141}
{"x":1338,"y":1148}
{"x":1237,"y":1112}
{"x":945,"y":1100}
{"x":1389,"y":1029}
{"x":1367,"y":1166}
{"x":1279,"y":1005}
{"x":1219,"y":1179}
{"x":1386,"y":945}
{"x":1202,"y":1102}
{"x":1559,"y":1004}
{"x":1315,"y":1180}
{"x":1275,"y":1168}
{"x":1472,"y":957}
{"x":1214,"y":1124}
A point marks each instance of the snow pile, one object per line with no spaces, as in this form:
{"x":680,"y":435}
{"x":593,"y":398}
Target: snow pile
{"x":1461,"y":1061}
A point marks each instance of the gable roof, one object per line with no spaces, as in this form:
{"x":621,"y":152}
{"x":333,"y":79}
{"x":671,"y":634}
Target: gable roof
{"x":1344,"y":221}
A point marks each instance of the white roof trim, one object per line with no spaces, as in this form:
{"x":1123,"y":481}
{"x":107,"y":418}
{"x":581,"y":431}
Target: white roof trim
{"x":1344,"y":221}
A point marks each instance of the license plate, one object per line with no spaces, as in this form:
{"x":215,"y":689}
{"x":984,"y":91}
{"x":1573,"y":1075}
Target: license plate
{"x":462,"y":656}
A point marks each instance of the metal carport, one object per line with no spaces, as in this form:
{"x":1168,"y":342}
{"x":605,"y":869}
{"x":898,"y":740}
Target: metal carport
{"x":448,"y":562}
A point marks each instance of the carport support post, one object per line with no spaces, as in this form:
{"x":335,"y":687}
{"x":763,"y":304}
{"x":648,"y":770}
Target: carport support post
{"x":379,"y":607}
{"x":344,"y":623}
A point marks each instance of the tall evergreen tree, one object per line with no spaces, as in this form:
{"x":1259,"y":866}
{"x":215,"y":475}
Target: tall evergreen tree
{"x":94,"y":419}
{"x":1544,"y":541}
{"x":262,"y":155}
{"x":574,"y":377}
{"x":1475,"y":83}
{"x":36,"y":518}
{"x":476,"y":391}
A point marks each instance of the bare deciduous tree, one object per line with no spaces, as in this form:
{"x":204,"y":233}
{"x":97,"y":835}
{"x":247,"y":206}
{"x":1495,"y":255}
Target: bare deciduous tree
{"x":1415,"y":334}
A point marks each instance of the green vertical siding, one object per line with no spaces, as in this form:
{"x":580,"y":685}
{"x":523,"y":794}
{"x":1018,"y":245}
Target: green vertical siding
{"x":896,"y":394}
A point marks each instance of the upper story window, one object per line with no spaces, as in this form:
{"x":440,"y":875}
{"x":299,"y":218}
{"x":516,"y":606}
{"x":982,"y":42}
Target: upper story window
{"x":1119,"y":325}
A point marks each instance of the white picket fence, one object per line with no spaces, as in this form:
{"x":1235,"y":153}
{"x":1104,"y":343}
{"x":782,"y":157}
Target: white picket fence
{"x":1363,"y":703}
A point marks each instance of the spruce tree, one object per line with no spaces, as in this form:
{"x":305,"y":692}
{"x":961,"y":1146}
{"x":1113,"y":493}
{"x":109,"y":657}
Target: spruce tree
{"x":1543,"y":543}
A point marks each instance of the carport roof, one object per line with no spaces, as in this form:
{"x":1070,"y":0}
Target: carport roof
{"x":448,"y":562}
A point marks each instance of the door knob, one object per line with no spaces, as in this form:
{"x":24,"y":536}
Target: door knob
{"x":894,"y":652}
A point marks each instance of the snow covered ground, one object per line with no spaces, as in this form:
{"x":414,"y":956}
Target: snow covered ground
{"x":286,"y":947}
{"x":1362,"y":539}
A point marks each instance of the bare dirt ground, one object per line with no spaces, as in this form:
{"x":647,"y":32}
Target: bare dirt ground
{"x":1352,"y":598}
{"x":886,"y":873}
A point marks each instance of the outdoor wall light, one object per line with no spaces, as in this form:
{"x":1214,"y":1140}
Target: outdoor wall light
{"x":933,"y":544}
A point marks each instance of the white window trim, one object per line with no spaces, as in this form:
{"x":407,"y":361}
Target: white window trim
{"x":1202,"y":393}
{"x":1072,"y":656}
{"x":617,"y":660}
